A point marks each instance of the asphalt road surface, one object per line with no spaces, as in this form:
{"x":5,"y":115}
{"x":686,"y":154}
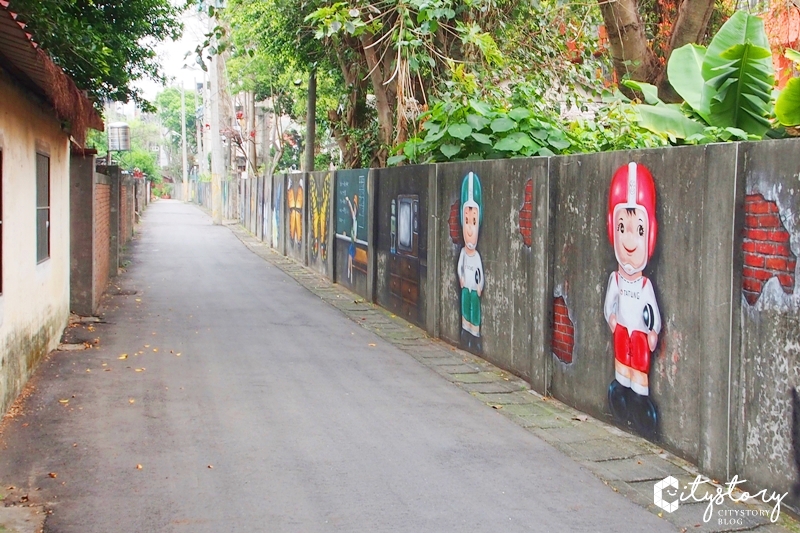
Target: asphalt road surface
{"x":277,"y":416}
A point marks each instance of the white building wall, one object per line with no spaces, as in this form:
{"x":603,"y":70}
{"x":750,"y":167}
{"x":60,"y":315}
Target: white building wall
{"x":34,"y":305}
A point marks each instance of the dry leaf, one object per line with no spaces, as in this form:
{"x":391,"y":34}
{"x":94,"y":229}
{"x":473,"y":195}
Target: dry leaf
{"x":497,"y":406}
{"x":138,"y":299}
{"x":155,"y":349}
{"x":372,"y":344}
{"x":138,"y":467}
{"x":581,"y":418}
{"x":146,"y":345}
{"x":88,"y":369}
{"x":131,"y":400}
{"x":178,"y":354}
{"x":123,"y":356}
{"x":63,"y":401}
{"x":211,"y":466}
{"x":53,"y":475}
{"x":139,"y":369}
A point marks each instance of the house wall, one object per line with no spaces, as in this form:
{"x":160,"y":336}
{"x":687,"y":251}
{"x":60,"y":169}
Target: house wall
{"x":34,"y":306}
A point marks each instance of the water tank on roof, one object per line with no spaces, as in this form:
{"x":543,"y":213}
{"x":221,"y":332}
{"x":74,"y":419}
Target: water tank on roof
{"x":119,"y":136}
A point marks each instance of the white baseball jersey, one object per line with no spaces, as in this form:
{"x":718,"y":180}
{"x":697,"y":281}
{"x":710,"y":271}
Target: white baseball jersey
{"x":470,"y":269}
{"x":628,"y":300}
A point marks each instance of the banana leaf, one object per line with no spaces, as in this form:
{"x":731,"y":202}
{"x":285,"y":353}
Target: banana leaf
{"x":685,"y":74}
{"x":787,"y":108}
{"x":739,"y":76}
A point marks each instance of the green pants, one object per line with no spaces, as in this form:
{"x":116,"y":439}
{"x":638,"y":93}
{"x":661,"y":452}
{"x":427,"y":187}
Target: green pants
{"x":471,"y":311}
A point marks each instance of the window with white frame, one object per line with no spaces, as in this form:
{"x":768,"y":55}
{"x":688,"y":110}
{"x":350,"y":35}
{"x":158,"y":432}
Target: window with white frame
{"x":42,"y":207}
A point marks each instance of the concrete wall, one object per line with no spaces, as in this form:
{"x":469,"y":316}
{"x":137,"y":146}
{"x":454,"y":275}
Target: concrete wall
{"x":34,"y":305}
{"x":319,"y":221}
{"x":353,"y":267}
{"x":505,"y":329}
{"x":295,"y":204}
{"x":723,"y":272}
{"x":101,"y":242}
{"x":769,"y":368}
{"x":401,"y":282}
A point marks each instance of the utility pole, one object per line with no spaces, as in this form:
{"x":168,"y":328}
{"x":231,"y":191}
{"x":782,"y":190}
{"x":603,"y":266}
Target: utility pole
{"x":202,"y":161}
{"x":183,"y":139}
{"x":311,"y":120}
{"x":217,"y":164}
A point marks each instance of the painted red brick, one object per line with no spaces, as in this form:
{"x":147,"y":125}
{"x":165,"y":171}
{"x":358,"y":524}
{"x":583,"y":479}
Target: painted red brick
{"x":455,"y":224}
{"x":766,"y":249}
{"x":563,"y":334}
{"x":526,"y":214}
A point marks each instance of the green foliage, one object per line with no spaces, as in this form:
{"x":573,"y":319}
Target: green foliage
{"x":727,"y":88}
{"x":104,"y":45}
{"x":787,"y":107}
{"x":168,"y":105}
{"x":460,"y":127}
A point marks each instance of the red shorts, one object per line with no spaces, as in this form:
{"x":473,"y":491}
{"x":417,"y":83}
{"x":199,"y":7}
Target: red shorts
{"x":632,"y":350}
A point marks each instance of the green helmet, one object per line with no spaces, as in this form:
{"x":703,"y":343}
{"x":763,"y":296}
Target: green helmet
{"x":471,"y":195}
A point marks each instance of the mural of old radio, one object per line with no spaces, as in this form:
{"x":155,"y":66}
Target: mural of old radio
{"x":404,"y":267}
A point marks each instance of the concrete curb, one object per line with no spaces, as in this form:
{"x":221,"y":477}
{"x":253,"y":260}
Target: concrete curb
{"x":626,"y":463}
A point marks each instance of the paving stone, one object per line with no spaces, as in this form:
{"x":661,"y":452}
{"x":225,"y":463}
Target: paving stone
{"x":505,"y":398}
{"x":494,"y":387}
{"x":460,"y":368}
{"x":480,"y":377}
{"x":640,"y":468}
{"x":604,"y":449}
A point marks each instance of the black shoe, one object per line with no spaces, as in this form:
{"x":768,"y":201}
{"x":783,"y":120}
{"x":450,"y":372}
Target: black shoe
{"x":645,"y":416}
{"x":618,"y":401}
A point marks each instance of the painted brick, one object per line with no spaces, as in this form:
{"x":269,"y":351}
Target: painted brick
{"x":455,"y":224}
{"x":563,"y":332}
{"x":526,"y":214}
{"x":766,"y":248}
{"x":754,"y":260}
{"x":102,"y":239}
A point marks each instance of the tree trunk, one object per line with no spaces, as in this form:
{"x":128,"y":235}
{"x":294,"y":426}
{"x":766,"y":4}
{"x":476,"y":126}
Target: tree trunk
{"x":383,"y":101}
{"x":689,"y":27}
{"x":630,"y":50}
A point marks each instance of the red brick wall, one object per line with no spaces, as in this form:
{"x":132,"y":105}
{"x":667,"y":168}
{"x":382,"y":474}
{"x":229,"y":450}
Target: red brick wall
{"x":563,"y":341}
{"x":455,"y":224}
{"x":766,"y":249}
{"x":102,"y":238}
{"x":526,"y":213}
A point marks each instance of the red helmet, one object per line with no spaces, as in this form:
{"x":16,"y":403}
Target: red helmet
{"x":632,"y":187}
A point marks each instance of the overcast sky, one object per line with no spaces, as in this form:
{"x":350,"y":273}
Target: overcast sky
{"x":171,"y":56}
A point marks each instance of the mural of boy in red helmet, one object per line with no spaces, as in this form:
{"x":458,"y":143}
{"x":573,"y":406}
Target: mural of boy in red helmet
{"x":630,"y":305}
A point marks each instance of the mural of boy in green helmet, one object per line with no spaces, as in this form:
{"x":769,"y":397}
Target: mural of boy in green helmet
{"x":470,"y":268}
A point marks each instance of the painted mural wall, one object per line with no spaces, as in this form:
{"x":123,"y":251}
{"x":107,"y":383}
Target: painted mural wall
{"x":401,"y":243}
{"x":484,"y":262}
{"x":352,"y":229}
{"x":656,"y":289}
{"x":320,"y":210}
{"x":295,"y":206}
{"x":768,"y":450}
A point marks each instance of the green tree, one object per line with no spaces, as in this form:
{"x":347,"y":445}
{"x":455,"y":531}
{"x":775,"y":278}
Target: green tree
{"x":104,"y":45}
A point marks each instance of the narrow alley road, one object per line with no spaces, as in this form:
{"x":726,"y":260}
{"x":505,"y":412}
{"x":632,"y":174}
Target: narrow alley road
{"x":253,"y":406}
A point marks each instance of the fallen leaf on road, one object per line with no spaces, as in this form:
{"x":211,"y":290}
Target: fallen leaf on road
{"x":146,"y":345}
{"x":138,"y":299}
{"x":497,"y":406}
{"x":140,"y":369}
{"x":155,"y":349}
{"x":178,"y":354}
{"x":105,"y":364}
{"x":211,"y":466}
{"x":88,"y":369}
{"x":123,"y":356}
{"x":372,"y":344}
{"x":131,"y":400}
{"x":138,"y":467}
{"x":581,"y":418}
{"x":63,"y":401}
{"x":53,"y":475}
